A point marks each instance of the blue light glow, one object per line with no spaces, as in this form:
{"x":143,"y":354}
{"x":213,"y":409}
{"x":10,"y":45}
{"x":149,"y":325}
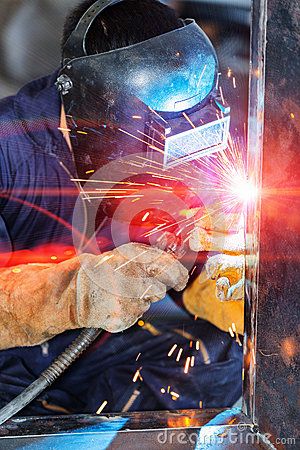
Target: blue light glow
{"x":181,"y":89}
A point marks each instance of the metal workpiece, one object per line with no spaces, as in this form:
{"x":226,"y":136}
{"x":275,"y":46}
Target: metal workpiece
{"x":189,"y":429}
{"x":277,"y":351}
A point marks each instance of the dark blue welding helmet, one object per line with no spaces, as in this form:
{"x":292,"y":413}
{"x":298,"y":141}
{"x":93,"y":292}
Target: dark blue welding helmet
{"x":158,"y":96}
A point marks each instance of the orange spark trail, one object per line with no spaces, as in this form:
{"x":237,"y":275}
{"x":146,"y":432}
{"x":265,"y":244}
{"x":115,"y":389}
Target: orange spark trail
{"x":188,"y":119}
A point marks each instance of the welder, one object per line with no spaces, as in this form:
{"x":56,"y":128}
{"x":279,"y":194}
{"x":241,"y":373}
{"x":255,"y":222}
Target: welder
{"x":55,"y":132}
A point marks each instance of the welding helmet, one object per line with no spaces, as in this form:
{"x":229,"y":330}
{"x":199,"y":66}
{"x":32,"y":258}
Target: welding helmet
{"x":158,"y":96}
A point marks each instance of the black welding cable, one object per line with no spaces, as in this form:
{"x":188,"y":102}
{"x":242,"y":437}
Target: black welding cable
{"x":55,"y":370}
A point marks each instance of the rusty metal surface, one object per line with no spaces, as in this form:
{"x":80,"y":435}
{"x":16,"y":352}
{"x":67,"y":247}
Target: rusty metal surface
{"x":276,"y":408}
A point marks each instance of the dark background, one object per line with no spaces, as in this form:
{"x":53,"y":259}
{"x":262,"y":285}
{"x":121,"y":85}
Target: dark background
{"x":30,"y":33}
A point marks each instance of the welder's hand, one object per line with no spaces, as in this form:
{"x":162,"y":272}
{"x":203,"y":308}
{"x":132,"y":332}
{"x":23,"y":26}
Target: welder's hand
{"x":115,"y":289}
{"x":226,"y":235}
{"x":228,"y":271}
{"x":202,"y":240}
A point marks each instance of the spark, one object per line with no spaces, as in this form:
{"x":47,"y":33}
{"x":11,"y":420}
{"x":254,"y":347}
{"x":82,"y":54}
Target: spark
{"x":138,"y":356}
{"x":99,"y":197}
{"x":174,"y":394}
{"x":158,"y":185}
{"x":201,"y":76}
{"x":156,"y":113}
{"x":292,"y":116}
{"x":64,"y":129}
{"x":218,"y":80}
{"x":201,"y":404}
{"x":234,"y":82}
{"x":222,"y":96}
{"x":159,"y":228}
{"x":145,"y":217}
{"x":128,"y":183}
{"x":81,"y":132}
{"x":16,"y":270}
{"x":141,"y":140}
{"x":229,"y":178}
{"x":136,"y":117}
{"x":164,"y":177}
{"x":147,"y":290}
{"x":136,"y":199}
{"x":169,"y":387}
{"x":200,"y":346}
{"x":179,"y":354}
{"x":131,"y":400}
{"x":163,"y":391}
{"x":151,"y":161}
{"x":192,"y":361}
{"x":231,"y":332}
{"x":141,"y":323}
{"x":116,"y":191}
{"x":89,"y":171}
{"x":99,"y":411}
{"x":229,"y":72}
{"x":191,"y":344}
{"x":172,"y":350}
{"x":137,"y":375}
{"x":103,"y":260}
{"x":152,"y":139}
{"x":187,"y":364}
{"x":54,"y":258}
{"x":130,"y":260}
{"x":40,"y":192}
{"x":154,"y":230}
{"x":188,"y":119}
{"x":237,"y":340}
{"x":193,"y":270}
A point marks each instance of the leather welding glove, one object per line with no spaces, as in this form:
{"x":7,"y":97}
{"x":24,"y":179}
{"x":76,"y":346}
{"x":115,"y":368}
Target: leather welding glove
{"x":227,"y":268}
{"x":217,"y":241}
{"x":110,"y":291}
{"x":228,"y":271}
{"x":114,"y":290}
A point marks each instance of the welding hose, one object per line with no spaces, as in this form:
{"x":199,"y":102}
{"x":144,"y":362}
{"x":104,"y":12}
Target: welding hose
{"x":54,"y":371}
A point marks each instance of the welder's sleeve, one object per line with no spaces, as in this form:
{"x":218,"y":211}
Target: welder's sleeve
{"x":36,"y":302}
{"x":110,"y":291}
